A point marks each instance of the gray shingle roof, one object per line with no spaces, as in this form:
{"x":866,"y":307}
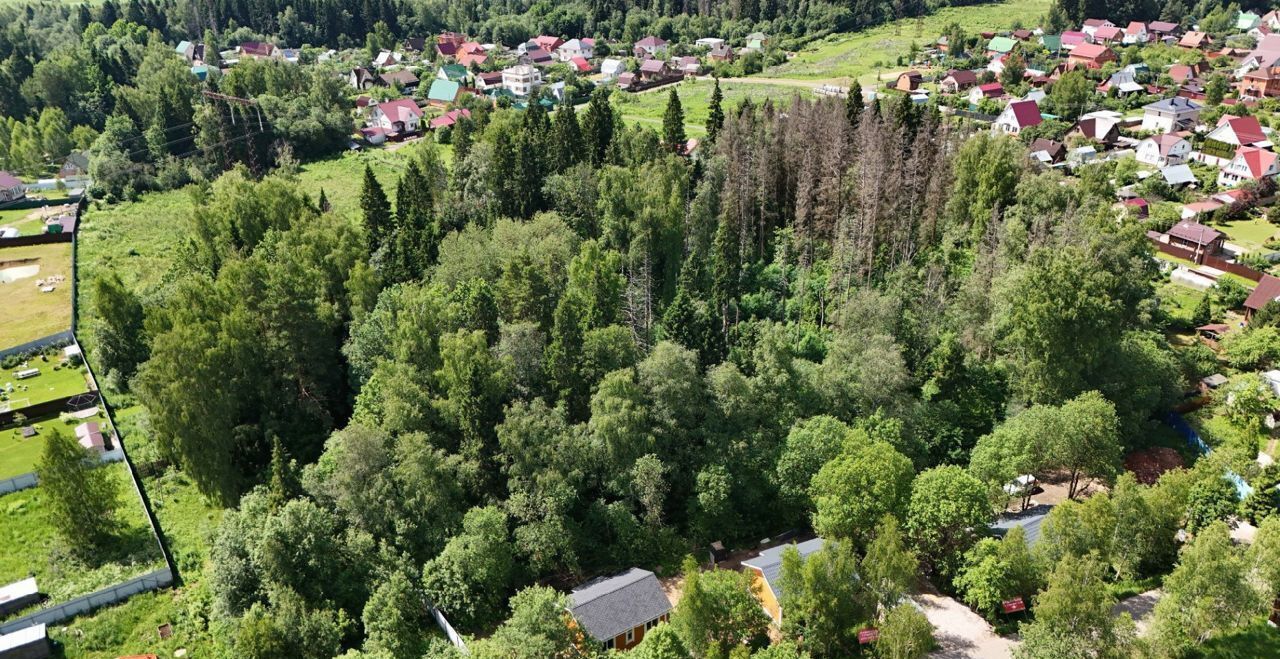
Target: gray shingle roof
{"x":609,"y":606}
{"x":769,"y":562}
{"x":1030,"y":521}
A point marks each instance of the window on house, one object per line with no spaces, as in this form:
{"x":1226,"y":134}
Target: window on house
{"x":608,"y":645}
{"x":651,"y":624}
{"x":631,"y":635}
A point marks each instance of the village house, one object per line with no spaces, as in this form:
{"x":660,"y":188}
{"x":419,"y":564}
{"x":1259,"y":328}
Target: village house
{"x":688,"y":66}
{"x":1163,"y":150}
{"x":387,"y":58}
{"x":1170,"y":115}
{"x":548,"y":43}
{"x":472,"y":54}
{"x":653,"y":70}
{"x":958,"y":80}
{"x":1091,"y":56}
{"x":580,"y":64}
{"x":709,"y":42}
{"x":1177,"y":176}
{"x":1260,"y":83}
{"x":908,"y":81}
{"x":1017,"y":116}
{"x":258,"y":50}
{"x":449,"y":118}
{"x":1200,"y":239}
{"x":721,"y":53}
{"x":447,"y":44}
{"x":455,"y":72}
{"x":89,"y":435}
{"x":415,"y":46}
{"x":536,"y":57}
{"x":1136,"y":32}
{"x":1182,"y":73}
{"x":1102,"y":129}
{"x":626,"y":80}
{"x":1249,"y":164}
{"x":443,"y":93}
{"x":75,"y":166}
{"x":650,"y":47}
{"x":766,"y":575}
{"x":1000,"y":46}
{"x":757,"y":41}
{"x":1047,"y":152}
{"x":403,"y":79}
{"x":1219,"y":146}
{"x":521,"y":79}
{"x":1195,"y":40}
{"x":1091,"y":25}
{"x":1267,"y":291}
{"x":398,"y":117}
{"x":1247,"y":20}
{"x":1162,"y":30}
{"x":1070,"y":39}
{"x":1123,"y":82}
{"x":489,"y":80}
{"x":360,"y":78}
{"x":584,"y":48}
{"x":612,"y":68}
{"x":989,"y":90}
{"x":11,"y":189}
{"x":616,"y":612}
{"x":1108,"y":34}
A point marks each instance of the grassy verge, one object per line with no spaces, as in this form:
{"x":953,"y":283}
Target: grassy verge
{"x":28,"y":312}
{"x":648,"y":108}
{"x":864,"y":54}
{"x":32,"y":547}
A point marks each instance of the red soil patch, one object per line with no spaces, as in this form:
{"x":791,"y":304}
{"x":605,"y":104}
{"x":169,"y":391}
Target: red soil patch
{"x":1147,"y":465}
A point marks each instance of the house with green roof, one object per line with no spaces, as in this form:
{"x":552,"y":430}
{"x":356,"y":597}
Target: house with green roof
{"x":455,"y":72}
{"x":443,"y":92}
{"x":1247,"y":20}
{"x":1051,"y":42}
{"x":1001,"y":45}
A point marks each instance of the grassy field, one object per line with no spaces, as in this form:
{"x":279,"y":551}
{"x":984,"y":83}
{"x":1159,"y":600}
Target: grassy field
{"x":29,"y":313}
{"x":863,"y":54}
{"x":647,"y":108}
{"x":32,"y":547}
{"x":52,"y":382}
{"x":19,"y":455}
{"x":1251,"y":234}
{"x":1253,"y":642}
{"x":1179,"y":300}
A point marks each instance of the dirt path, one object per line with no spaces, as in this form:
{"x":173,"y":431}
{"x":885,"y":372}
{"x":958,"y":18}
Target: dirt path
{"x":1140,"y":607}
{"x":960,"y":632}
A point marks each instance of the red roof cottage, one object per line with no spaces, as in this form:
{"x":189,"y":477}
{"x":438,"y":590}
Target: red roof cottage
{"x":11,"y":188}
{"x":1017,"y":116}
{"x":1200,"y":239}
{"x":1091,"y":55}
{"x":1268,"y":290}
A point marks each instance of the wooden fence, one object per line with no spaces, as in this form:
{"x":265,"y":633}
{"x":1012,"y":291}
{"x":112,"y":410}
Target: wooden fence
{"x":38,"y":239}
{"x":1210,"y":260}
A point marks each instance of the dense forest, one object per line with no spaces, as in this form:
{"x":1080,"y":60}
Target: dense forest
{"x":575,"y":350}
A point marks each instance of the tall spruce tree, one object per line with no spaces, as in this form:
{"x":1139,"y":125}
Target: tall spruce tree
{"x":82,"y":498}
{"x":597,"y":126}
{"x":673,"y":124}
{"x":413,"y":241}
{"x":853,"y":106}
{"x":566,"y":138}
{"x":375,"y":210}
{"x":715,"y":113}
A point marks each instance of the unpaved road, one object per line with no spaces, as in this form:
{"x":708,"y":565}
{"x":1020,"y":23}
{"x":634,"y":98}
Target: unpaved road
{"x":1140,"y":608}
{"x":961,"y":633}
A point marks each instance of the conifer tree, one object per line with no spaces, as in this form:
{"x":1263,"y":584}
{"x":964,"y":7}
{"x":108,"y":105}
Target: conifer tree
{"x":375,"y":210}
{"x":82,"y":498}
{"x":673,"y":124}
{"x":715,"y":115}
{"x":853,"y":106}
{"x":566,"y":138}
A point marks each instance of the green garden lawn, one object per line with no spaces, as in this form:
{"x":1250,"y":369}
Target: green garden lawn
{"x":863,"y":54}
{"x":30,"y":313}
{"x":1251,"y":234}
{"x":31,"y":546}
{"x":51,"y":384}
{"x":20,"y":455}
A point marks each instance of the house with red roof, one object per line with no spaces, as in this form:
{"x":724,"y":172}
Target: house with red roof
{"x":258,"y":50}
{"x":1250,"y":164}
{"x":653,"y":70}
{"x":580,"y":64}
{"x":1091,"y":25}
{"x":1195,"y":39}
{"x":1016,"y":117}
{"x":1108,"y":34}
{"x":1091,"y":56}
{"x":1219,"y":146}
{"x":548,"y":43}
{"x":958,"y":80}
{"x":11,"y":189}
{"x":1135,"y":32}
{"x":1267,"y":291}
{"x":472,"y":53}
{"x":650,"y":47}
{"x":1199,"y":238}
{"x":1071,"y":39}
{"x":1159,"y":30}
{"x":399,"y":117}
{"x":989,"y":90}
{"x":908,"y":81}
{"x":449,"y":118}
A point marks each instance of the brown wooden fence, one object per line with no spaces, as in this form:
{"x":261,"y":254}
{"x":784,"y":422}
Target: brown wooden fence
{"x":38,"y":239}
{"x":1207,"y":259}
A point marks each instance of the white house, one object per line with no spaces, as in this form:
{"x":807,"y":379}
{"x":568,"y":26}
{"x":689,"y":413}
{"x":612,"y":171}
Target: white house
{"x":387,"y":58}
{"x":612,"y":68}
{"x":522,"y":79}
{"x":1250,"y":164}
{"x":1170,"y":115}
{"x":576,"y":48}
{"x":709,"y":42}
{"x":398,"y":116}
{"x":1163,"y":150}
{"x":1135,"y":33}
{"x":1017,"y":116}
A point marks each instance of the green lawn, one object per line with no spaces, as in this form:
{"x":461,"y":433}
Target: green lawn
{"x":52,"y":383}
{"x":1178,"y":300}
{"x":648,"y":108}
{"x":19,"y":455}
{"x":31,"y":546}
{"x":1257,"y":641}
{"x":863,"y":54}
{"x":1251,"y":234}
{"x":26,"y":312}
